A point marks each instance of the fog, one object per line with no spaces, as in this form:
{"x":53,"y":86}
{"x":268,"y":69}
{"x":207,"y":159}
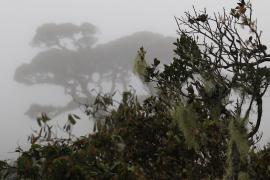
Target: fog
{"x":115,"y":30}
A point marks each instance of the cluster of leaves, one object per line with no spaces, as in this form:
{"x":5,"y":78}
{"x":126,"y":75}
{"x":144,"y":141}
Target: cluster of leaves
{"x":189,"y":128}
{"x":140,"y":141}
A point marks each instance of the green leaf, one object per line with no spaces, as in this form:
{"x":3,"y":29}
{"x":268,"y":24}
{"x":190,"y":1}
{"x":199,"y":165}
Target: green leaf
{"x":156,"y":62}
{"x":71,"y":119}
{"x":75,"y":116}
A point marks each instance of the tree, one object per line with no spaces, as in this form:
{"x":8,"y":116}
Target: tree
{"x":191,"y":127}
{"x":70,"y":60}
{"x":236,"y":59}
{"x":57,"y":35}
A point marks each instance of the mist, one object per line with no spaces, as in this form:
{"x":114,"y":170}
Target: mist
{"x":115,"y":31}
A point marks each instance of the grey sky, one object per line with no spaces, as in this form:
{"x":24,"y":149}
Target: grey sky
{"x":114,"y":18}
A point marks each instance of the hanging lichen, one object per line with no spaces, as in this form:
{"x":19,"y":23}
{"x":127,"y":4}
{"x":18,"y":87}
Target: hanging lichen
{"x":243,"y":176}
{"x":238,"y":133}
{"x":186,"y":119}
{"x":208,"y":86}
{"x":139,"y":68}
{"x":238,"y":149}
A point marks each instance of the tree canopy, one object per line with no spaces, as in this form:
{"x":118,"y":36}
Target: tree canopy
{"x":65,"y":62}
{"x":56,"y":35}
{"x":195,"y":125}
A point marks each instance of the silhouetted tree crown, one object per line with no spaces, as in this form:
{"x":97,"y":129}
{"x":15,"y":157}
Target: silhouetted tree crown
{"x":63,"y":63}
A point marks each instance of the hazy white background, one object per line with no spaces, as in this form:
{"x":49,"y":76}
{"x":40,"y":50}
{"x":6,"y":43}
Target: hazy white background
{"x":115,"y":18}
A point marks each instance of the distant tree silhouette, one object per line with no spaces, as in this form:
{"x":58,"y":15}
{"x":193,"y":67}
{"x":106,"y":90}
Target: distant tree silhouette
{"x":69,"y":59}
{"x":58,"y":35}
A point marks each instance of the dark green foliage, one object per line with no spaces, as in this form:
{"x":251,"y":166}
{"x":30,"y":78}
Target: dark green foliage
{"x":137,"y":141}
{"x":260,"y":168}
